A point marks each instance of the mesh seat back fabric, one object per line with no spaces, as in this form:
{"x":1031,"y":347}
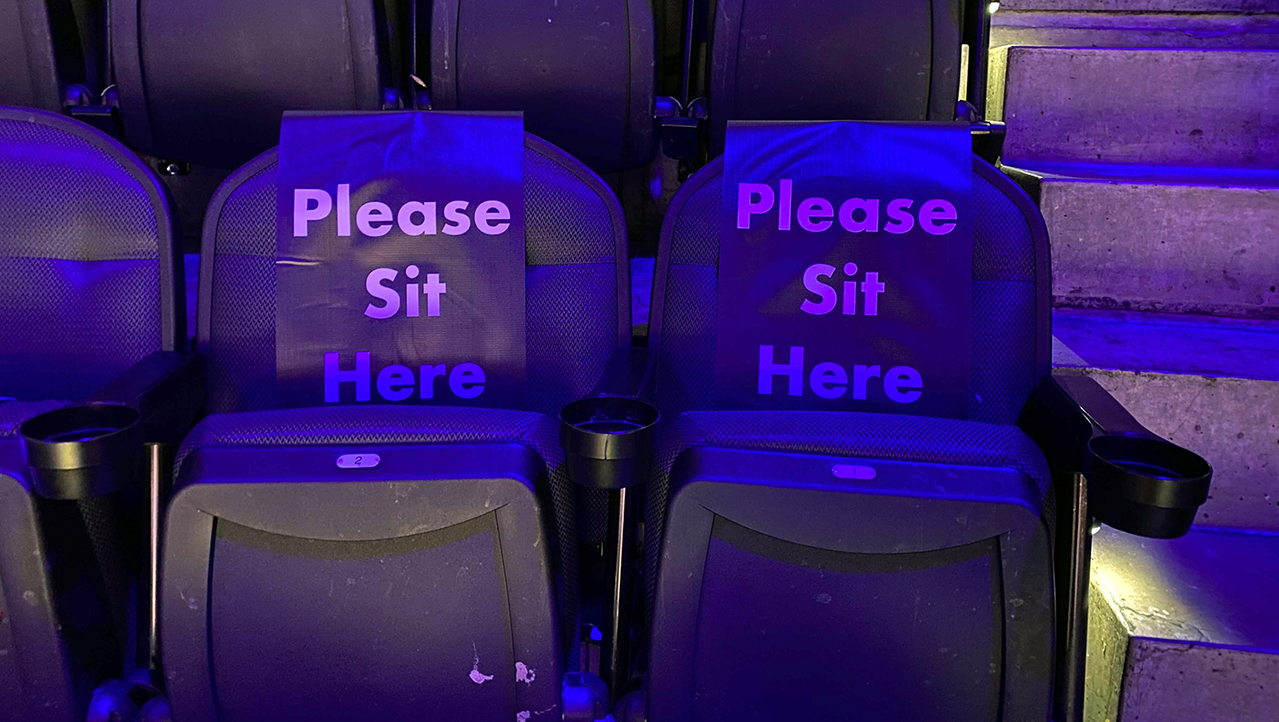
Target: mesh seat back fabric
{"x":87,"y":255}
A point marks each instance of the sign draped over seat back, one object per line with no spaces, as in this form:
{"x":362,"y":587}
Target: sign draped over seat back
{"x":400,"y":259}
{"x":845,"y":268}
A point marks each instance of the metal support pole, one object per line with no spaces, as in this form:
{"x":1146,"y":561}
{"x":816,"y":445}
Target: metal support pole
{"x":977,"y":35}
{"x":159,"y":479}
{"x":622,"y":542}
{"x":1070,"y":673}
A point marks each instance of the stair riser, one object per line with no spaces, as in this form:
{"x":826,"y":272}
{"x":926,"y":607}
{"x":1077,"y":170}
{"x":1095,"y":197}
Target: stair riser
{"x":1164,"y":248}
{"x":1178,"y":682}
{"x":1107,"y":656}
{"x":1162,"y":107}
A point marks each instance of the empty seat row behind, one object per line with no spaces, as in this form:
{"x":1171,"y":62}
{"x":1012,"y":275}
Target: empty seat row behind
{"x":205,"y":84}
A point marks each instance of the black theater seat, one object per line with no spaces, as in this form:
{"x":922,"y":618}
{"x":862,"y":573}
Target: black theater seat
{"x":852,"y":60}
{"x":90,"y":291}
{"x":207,"y":83}
{"x":202,"y":86}
{"x":897,"y":565}
{"x":49,"y":52}
{"x":582,"y":71}
{"x":428,"y":582}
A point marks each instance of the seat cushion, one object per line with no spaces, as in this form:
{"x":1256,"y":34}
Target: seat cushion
{"x":347,"y":425}
{"x":877,"y":436}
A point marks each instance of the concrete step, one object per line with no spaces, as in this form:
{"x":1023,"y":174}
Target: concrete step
{"x":1164,"y":239}
{"x":1183,"y":630}
{"x":1134,"y":30}
{"x":1137,"y":6}
{"x":1204,"y":108}
{"x":1209,"y":384}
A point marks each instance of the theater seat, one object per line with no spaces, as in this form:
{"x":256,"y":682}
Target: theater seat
{"x":91,"y":288}
{"x":584,"y":73}
{"x":48,"y":49}
{"x":202,"y":86}
{"x":443,"y":578}
{"x":815,"y":563}
{"x":854,"y":60}
{"x":207,"y":83}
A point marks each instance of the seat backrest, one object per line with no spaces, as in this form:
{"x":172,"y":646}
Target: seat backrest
{"x":45,"y":45}
{"x":207,"y":82}
{"x":852,"y":60}
{"x":86,"y":251}
{"x":575,"y":253}
{"x":584,"y":73}
{"x":1010,"y":303}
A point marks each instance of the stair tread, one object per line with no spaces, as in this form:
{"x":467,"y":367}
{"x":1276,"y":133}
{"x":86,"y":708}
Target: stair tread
{"x":1169,"y":343}
{"x":1191,"y":6}
{"x":1143,"y":28}
{"x":1143,"y":174}
{"x":1211,"y":586}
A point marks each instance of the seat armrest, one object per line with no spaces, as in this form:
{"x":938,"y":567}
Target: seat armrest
{"x":1137,"y":482}
{"x":93,"y":448}
{"x":166,"y":388}
{"x":629,"y":374}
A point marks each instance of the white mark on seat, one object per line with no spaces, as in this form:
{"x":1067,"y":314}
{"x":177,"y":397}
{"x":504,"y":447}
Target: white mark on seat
{"x":476,"y":675}
{"x":525,"y":715}
{"x":524,"y":674}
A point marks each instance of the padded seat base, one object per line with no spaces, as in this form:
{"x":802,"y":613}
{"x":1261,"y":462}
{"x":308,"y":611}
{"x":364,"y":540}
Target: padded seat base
{"x":891,"y":437}
{"x":900,"y":565}
{"x":434,"y":550}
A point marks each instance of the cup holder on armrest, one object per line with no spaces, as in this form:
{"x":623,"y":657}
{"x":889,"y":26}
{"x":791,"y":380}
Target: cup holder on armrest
{"x":1145,"y":485}
{"x":81,"y":451}
{"x":608,"y":440}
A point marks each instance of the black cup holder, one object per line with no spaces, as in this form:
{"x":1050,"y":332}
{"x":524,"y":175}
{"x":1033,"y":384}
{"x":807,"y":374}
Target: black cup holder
{"x":608,"y":440}
{"x":1145,"y":485}
{"x":81,"y":451}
